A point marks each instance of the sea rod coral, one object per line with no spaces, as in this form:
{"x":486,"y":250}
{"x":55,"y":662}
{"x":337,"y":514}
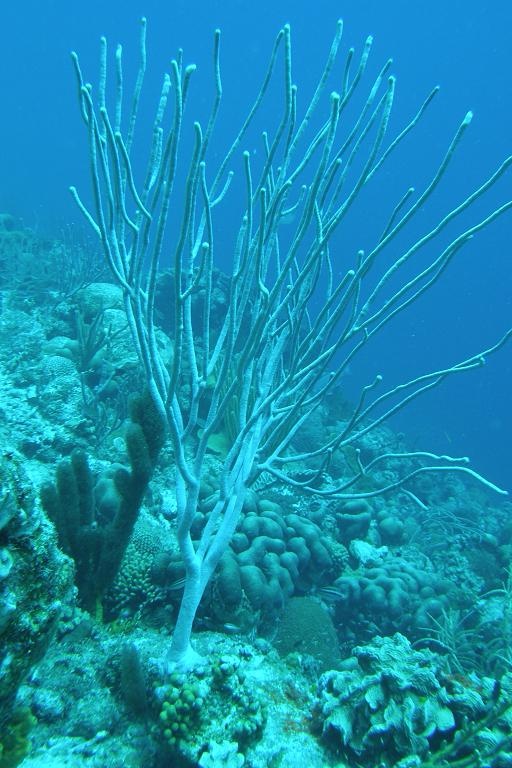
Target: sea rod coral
{"x":300,"y":306}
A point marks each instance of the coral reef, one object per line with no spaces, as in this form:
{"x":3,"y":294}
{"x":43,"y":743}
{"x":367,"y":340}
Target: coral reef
{"x":394,"y":706}
{"x":302,"y":583}
{"x":306,"y":628}
{"x":272,"y":556}
{"x":35,"y":581}
{"x":385,"y":592}
{"x":95,"y":517}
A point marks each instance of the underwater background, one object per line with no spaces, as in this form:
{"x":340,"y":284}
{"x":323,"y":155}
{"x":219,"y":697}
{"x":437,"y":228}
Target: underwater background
{"x":461,"y":46}
{"x":395,"y":633}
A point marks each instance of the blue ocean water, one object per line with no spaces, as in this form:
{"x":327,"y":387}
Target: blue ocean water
{"x":460,"y":45}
